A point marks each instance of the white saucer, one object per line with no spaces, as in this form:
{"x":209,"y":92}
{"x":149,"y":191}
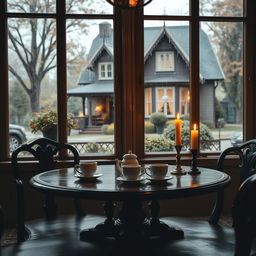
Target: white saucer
{"x":123,"y":179}
{"x":168,"y":177}
{"x":93,"y":177}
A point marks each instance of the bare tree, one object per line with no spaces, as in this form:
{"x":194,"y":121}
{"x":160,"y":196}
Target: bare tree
{"x":33,"y":40}
{"x":227,"y":38}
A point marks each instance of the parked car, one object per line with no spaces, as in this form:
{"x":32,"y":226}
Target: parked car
{"x":17,"y":136}
{"x":237,"y":139}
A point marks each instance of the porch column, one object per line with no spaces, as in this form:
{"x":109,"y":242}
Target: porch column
{"x":83,"y":103}
{"x":89,"y":111}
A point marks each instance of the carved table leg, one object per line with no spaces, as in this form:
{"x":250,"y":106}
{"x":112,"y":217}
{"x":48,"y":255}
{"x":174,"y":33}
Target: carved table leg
{"x":105,"y":229}
{"x":131,"y":224}
{"x":50,"y":206}
{"x":132,"y":220}
{"x":159,"y":228}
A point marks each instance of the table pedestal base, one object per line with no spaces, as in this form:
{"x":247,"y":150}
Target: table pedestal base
{"x":132,"y":224}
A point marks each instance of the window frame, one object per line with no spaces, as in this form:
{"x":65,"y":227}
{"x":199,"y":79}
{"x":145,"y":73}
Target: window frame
{"x":129,"y":73}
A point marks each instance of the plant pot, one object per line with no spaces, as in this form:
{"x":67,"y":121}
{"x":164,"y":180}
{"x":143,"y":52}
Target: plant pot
{"x":160,"y":128}
{"x":51,"y":133}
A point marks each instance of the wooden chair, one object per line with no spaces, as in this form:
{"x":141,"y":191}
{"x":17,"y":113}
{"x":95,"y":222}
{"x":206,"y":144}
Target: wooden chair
{"x":244,"y":216}
{"x":247,"y":155}
{"x":44,"y":150}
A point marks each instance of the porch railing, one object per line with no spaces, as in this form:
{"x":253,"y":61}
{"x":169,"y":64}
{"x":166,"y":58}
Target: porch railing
{"x":109,"y":146}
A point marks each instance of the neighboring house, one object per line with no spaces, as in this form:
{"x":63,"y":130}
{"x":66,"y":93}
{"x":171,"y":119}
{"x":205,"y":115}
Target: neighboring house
{"x":166,"y":58}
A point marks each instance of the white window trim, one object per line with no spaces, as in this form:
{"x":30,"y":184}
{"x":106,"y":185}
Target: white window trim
{"x":165,"y":93}
{"x":171,"y":55}
{"x":186,"y":105}
{"x":106,"y":70}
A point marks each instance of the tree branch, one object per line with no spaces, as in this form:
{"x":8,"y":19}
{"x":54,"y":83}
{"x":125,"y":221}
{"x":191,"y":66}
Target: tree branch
{"x":19,"y":78}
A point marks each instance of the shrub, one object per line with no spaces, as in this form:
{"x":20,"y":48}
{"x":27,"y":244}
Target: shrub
{"x":108,"y":128}
{"x":92,"y":147}
{"x":168,"y":123}
{"x":205,"y":133}
{"x":158,"y":118}
{"x":157,"y":144}
{"x":209,"y":123}
{"x":149,"y":127}
{"x":48,"y":119}
{"x":219,"y":110}
{"x":221,"y":123}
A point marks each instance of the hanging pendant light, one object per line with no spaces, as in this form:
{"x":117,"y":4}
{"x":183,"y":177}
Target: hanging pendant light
{"x":129,"y":3}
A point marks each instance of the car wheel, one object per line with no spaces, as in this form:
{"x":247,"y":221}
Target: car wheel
{"x":14,"y":142}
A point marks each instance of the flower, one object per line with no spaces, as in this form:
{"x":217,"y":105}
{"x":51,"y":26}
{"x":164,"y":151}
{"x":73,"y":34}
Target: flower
{"x":47,"y":119}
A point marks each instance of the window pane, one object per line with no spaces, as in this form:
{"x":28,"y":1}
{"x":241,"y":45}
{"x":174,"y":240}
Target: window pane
{"x":184,"y":100}
{"x":31,"y":6}
{"x":221,"y":8}
{"x":90,"y":85}
{"x":32,"y":75}
{"x":221,"y":70}
{"x":148,"y":102}
{"x":167,"y":42}
{"x":167,"y":7}
{"x":89,"y":7}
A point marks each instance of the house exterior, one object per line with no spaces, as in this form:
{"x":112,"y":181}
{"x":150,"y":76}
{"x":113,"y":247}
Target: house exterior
{"x":166,"y":79}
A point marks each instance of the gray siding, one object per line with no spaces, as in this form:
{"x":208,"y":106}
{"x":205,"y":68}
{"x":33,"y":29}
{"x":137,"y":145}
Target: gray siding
{"x":207,"y":105}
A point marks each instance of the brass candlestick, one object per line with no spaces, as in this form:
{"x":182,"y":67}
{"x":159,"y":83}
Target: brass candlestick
{"x":194,"y":170}
{"x":178,"y":170}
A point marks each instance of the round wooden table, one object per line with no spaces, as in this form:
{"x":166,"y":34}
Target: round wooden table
{"x":132,"y":221}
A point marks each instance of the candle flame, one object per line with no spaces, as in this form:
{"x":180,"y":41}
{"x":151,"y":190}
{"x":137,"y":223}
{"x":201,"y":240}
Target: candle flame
{"x":178,"y":115}
{"x":194,"y":127}
{"x":133,"y":3}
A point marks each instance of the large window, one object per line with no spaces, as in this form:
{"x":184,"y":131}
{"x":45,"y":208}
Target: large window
{"x":78,"y":60}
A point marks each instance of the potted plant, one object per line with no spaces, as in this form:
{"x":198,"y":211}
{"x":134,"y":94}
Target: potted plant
{"x":158,"y":119}
{"x":46,"y":122}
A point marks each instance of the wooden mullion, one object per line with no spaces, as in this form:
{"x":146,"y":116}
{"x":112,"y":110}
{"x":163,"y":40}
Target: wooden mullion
{"x":128,"y":79}
{"x":118,"y":83}
{"x":4,"y":92}
{"x":249,"y":111}
{"x":138,"y":88}
{"x":194,"y":63}
{"x":61,"y":73}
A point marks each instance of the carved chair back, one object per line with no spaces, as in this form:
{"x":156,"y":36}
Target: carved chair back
{"x":247,"y":167}
{"x":44,"y":151}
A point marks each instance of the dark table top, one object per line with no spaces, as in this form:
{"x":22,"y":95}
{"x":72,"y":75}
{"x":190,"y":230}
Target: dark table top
{"x":106,"y":187}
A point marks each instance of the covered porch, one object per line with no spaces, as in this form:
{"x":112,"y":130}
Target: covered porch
{"x":97,"y":104}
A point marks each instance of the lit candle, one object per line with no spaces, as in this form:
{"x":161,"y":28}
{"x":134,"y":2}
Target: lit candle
{"x":194,"y":138}
{"x":178,"y":132}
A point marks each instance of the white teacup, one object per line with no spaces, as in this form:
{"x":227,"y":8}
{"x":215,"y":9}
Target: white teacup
{"x":157,"y":171}
{"x":132,"y":172}
{"x":87,"y":168}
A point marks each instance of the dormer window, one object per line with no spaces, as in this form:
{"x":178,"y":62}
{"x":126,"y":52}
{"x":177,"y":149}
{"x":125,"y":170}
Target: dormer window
{"x":105,"y":71}
{"x":164,"y":61}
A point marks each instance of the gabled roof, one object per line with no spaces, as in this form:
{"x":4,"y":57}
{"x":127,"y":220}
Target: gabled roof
{"x":178,"y":36}
{"x":98,"y":44}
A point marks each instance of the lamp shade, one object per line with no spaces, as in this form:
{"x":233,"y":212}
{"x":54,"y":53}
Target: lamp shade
{"x":129,"y":3}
